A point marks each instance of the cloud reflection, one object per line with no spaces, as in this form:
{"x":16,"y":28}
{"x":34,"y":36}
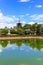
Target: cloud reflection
{"x":39,"y":59}
{"x":1,"y":48}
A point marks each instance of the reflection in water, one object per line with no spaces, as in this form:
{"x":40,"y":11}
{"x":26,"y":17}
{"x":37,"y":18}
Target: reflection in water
{"x":33,"y":43}
{"x":4,"y":43}
{"x":21,"y":52}
{"x":39,"y":59}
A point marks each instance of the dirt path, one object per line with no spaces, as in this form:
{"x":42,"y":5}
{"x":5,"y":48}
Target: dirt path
{"x":9,"y":38}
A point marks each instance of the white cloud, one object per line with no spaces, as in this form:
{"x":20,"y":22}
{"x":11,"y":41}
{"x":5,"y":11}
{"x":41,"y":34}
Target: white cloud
{"x":24,"y":15}
{"x":37,"y":17}
{"x":12,"y":46}
{"x":31,"y":23}
{"x":38,"y":6}
{"x":23,"y":23}
{"x":15,"y":18}
{"x":8,"y":21}
{"x":2,"y":25}
{"x":24,"y":0}
{"x":9,"y":45}
{"x":5,"y":18}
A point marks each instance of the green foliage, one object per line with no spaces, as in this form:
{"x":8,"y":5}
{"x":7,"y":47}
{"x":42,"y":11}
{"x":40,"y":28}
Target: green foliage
{"x":33,"y":43}
{"x":42,"y":31}
{"x":34,"y":28}
{"x":20,"y":31}
{"x":39,"y":29}
{"x":12,"y":35}
{"x":4,"y":43}
{"x":12,"y":31}
{"x":0,"y":32}
{"x":4,"y":31}
{"x":27,"y":29}
{"x":27,"y":26}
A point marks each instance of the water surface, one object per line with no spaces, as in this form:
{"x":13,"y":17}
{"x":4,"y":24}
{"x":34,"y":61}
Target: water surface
{"x":21,"y":52}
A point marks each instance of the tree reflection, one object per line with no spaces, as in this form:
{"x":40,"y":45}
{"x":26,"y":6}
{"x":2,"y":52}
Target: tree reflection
{"x":33,"y":43}
{"x":4,"y":43}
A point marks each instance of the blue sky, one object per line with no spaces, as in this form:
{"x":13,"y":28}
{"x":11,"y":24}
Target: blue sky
{"x":29,"y":11}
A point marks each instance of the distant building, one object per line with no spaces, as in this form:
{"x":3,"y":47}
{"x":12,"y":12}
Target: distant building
{"x":19,"y":24}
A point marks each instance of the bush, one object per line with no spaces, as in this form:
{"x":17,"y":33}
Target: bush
{"x":20,"y":31}
{"x":4,"y":31}
{"x":13,"y":31}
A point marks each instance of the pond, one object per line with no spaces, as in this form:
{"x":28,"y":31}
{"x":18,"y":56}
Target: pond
{"x":21,"y":52}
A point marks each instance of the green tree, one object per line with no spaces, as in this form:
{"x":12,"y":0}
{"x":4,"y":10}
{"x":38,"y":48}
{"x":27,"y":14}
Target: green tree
{"x":27,"y":26}
{"x":34,"y":28}
{"x":4,"y":31}
{"x":4,"y":43}
{"x":20,"y":31}
{"x":39,"y":29}
{"x":42,"y":31}
{"x":12,"y":31}
{"x":0,"y":31}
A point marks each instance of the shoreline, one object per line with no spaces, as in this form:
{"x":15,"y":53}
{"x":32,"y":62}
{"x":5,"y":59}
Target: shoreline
{"x":21,"y":37}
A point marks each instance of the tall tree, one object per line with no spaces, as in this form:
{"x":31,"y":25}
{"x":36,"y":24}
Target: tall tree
{"x":38,"y":29}
{"x":4,"y":31}
{"x":34,"y":28}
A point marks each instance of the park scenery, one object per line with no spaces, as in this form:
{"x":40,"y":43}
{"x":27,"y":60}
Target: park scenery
{"x":21,"y":32}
